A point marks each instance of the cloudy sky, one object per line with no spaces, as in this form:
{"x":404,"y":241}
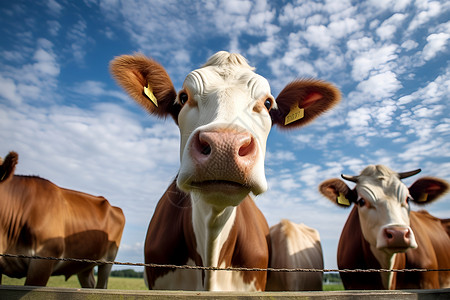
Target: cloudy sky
{"x":70,"y":123}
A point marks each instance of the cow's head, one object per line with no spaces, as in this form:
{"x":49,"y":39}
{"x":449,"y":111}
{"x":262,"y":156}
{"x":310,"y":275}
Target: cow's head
{"x":224,"y":112}
{"x":383,"y":203}
{"x":8,"y":166}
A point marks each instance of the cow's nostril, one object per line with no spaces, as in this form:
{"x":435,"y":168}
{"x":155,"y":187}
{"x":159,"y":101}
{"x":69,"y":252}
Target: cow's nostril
{"x":247,"y":147}
{"x":206,"y":149}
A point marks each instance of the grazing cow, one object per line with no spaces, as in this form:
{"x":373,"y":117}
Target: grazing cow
{"x":295,"y":246}
{"x":382,"y":232}
{"x":207,"y":216}
{"x":39,"y":218}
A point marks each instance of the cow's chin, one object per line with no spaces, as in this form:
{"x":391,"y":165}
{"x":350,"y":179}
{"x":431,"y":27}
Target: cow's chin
{"x":393,"y":250}
{"x":220,"y":193}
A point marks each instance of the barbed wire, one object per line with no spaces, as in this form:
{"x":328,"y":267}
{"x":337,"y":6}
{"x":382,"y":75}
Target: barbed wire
{"x":189,"y":267}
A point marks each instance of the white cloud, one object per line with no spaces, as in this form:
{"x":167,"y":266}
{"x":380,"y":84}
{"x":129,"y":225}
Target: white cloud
{"x":380,"y":86}
{"x":342,"y":28}
{"x":433,"y":92}
{"x":53,"y":27}
{"x":390,"y":26}
{"x":374,"y":59}
{"x":8,"y":90}
{"x":359,"y":119}
{"x":435,"y":43}
{"x":409,"y":45}
{"x":78,"y":38}
{"x":426,"y":11}
{"x":319,"y":36}
{"x":54,"y":7}
{"x":360,"y":45}
{"x":278,"y":157}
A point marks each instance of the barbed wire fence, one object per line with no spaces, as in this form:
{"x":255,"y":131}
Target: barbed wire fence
{"x":242,"y":269}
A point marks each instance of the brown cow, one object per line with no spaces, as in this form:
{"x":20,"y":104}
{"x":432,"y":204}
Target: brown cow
{"x":207,"y":216}
{"x":39,"y":218}
{"x":381,"y":232}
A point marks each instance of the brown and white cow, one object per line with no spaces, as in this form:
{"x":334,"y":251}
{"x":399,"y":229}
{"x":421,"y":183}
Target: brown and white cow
{"x":39,"y":218}
{"x":382,"y":232}
{"x":295,"y":246}
{"x":207,"y":216}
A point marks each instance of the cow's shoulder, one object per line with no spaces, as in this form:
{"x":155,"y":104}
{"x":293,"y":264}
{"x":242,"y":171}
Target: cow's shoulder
{"x":251,"y":242}
{"x":170,"y":236}
{"x":354,"y":253}
{"x":432,"y":240}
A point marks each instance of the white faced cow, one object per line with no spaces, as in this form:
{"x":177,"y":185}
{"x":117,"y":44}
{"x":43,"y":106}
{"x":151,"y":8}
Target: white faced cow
{"x":382,"y":232}
{"x":207,"y":216}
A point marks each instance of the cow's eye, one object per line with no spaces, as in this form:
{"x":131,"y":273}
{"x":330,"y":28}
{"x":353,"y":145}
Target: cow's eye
{"x":183,"y":98}
{"x":361,"y":202}
{"x":268,"y":103}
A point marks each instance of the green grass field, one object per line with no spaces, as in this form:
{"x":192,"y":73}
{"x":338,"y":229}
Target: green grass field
{"x":117,"y":283}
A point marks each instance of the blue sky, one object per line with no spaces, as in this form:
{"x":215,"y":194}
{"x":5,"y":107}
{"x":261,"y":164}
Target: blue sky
{"x":70,"y":123}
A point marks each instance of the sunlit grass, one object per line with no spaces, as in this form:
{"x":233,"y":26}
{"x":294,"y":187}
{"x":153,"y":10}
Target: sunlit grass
{"x":117,"y":283}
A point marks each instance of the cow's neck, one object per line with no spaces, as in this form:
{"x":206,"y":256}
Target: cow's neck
{"x":212,"y":226}
{"x":386,"y":261}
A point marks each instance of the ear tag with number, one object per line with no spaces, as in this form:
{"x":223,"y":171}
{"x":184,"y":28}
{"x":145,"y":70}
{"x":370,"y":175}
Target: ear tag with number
{"x":342,"y":200}
{"x":423,"y":197}
{"x":294,"y":114}
{"x":149,"y":93}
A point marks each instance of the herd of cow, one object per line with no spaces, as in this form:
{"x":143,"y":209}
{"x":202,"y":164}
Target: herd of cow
{"x":207,"y":216}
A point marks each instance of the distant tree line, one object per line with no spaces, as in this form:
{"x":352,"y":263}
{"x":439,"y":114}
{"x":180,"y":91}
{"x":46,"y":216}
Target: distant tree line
{"x":128,"y":273}
{"x":332,"y":278}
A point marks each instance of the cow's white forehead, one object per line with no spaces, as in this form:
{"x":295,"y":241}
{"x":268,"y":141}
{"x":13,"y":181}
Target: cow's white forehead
{"x":227,"y":71}
{"x":380,"y":182}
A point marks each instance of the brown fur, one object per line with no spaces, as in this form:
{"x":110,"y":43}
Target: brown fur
{"x":133,"y":72}
{"x":296,"y":92}
{"x":247,"y":245}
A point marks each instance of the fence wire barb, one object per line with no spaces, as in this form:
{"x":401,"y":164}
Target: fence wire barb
{"x":188,"y":267}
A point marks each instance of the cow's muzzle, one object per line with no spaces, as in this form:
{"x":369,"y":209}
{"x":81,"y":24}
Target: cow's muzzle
{"x":396,"y":238}
{"x":223,"y":155}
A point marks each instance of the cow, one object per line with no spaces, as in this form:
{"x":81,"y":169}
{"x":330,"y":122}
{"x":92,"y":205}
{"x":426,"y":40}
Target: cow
{"x":382,"y":232}
{"x":295,"y":246}
{"x":38,"y":218}
{"x":207,"y":216}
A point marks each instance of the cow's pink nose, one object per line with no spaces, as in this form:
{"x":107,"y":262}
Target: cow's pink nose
{"x":397,"y":237}
{"x":229,"y":147}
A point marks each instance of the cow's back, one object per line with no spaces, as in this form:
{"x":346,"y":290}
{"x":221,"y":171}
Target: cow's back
{"x":40,"y":218}
{"x":432,"y":253}
{"x":295,"y":246}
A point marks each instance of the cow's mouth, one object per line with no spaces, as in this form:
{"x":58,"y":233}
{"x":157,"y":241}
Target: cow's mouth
{"x":225,"y":186}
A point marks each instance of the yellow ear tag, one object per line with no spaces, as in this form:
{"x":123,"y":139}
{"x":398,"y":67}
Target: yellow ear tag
{"x":423,"y":197}
{"x":342,"y":200}
{"x":294,"y":114}
{"x":149,"y":93}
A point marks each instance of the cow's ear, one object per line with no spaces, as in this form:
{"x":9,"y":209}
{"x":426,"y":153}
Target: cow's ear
{"x":338,"y":192}
{"x":148,"y":83}
{"x":427,"y":189}
{"x":8,"y":166}
{"x":301,"y":101}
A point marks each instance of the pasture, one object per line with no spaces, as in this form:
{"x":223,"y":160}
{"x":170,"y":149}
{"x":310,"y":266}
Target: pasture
{"x":122,"y":283}
{"x":115,"y":283}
